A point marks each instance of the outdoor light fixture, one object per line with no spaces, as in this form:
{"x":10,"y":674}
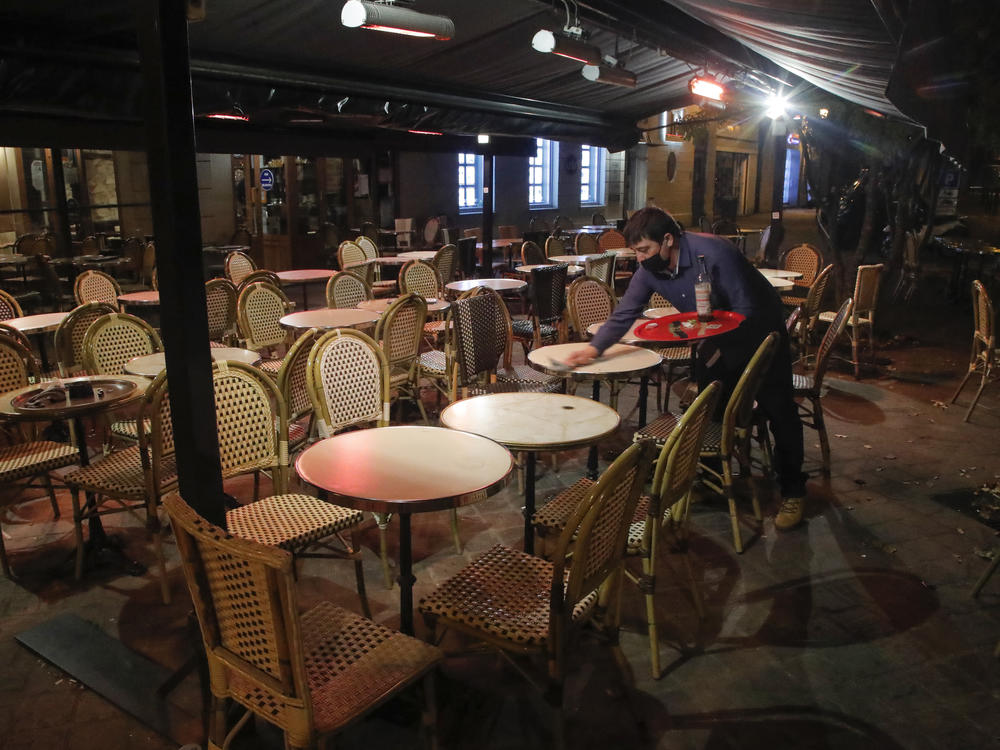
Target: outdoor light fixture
{"x":234,"y":113}
{"x":707,"y":88}
{"x":482,"y":138}
{"x":775,"y":106}
{"x":424,"y":132}
{"x":571,"y":47}
{"x":385,"y":16}
{"x":610,"y":73}
{"x":824,"y":112}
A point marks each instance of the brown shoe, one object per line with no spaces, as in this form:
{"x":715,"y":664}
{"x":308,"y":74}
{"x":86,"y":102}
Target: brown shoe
{"x":789,"y":515}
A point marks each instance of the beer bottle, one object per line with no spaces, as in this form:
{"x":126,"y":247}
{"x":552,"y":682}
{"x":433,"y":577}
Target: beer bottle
{"x":703,"y":292}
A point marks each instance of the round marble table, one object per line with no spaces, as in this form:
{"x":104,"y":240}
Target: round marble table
{"x":304,"y":277}
{"x":532,"y":422}
{"x":151,"y":365}
{"x":577,"y":259}
{"x":381,"y":304}
{"x":570,"y":271}
{"x":329,"y":317}
{"x":147,"y":298}
{"x":417,"y":254}
{"x":780,"y":273}
{"x":500,"y":285}
{"x":404,"y":470}
{"x":659,"y":312}
{"x":780,"y":283}
{"x":38,"y":326}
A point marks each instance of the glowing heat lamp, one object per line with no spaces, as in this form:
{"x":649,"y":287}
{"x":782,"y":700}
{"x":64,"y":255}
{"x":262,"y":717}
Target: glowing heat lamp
{"x":707,"y":88}
{"x":774,"y":106}
{"x":378,"y":16}
{"x":424,"y":132}
{"x":233,"y":114}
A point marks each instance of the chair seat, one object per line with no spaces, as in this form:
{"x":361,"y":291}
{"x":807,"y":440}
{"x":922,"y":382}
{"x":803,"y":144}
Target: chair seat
{"x":216,"y":345}
{"x":436,"y":326}
{"x":298,"y":431}
{"x":290,"y":521}
{"x":637,"y":526}
{"x":674,"y":353}
{"x":525,"y":330}
{"x":526,"y":376}
{"x":551,"y":517}
{"x":351,"y":664}
{"x":127,"y":429}
{"x":504,"y":593}
{"x":791,"y":300}
{"x":120,"y":474}
{"x":434,"y":362}
{"x":386,"y":288}
{"x":802,"y":384}
{"x":829,"y":315}
{"x":28,"y":459}
{"x":270,"y":366}
{"x":659,"y":429}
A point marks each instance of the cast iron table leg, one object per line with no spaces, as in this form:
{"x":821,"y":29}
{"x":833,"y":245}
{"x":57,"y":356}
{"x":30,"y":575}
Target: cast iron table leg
{"x":406,"y":578}
{"x":592,"y":453}
{"x":643,"y":395}
{"x":529,"y":502}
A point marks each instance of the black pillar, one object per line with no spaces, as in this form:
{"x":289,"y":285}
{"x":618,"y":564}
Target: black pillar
{"x":173,"y":182}
{"x":487,"y":268}
{"x":62,"y":209}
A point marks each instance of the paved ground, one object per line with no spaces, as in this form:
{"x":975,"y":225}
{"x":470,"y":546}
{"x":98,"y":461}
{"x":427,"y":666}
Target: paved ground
{"x":855,"y":630}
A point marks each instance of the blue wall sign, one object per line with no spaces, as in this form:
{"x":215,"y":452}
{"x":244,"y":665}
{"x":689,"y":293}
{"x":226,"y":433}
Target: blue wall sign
{"x":266,"y":179}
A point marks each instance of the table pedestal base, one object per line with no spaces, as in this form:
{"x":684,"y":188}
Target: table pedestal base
{"x":529,"y":501}
{"x":406,"y":578}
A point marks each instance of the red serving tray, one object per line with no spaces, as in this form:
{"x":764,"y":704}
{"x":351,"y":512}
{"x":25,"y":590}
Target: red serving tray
{"x":661,"y":329}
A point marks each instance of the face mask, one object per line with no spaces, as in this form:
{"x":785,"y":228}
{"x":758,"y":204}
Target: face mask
{"x":658,"y":266}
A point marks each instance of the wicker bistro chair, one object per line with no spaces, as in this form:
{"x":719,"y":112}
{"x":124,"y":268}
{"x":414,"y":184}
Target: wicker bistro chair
{"x":309,"y":674}
{"x":9,"y":307}
{"x":259,"y":307}
{"x":527,"y":606}
{"x":292,"y":385}
{"x":588,"y":301}
{"x":659,"y":517}
{"x":351,"y":258}
{"x":809,"y":388}
{"x":602,"y":268}
{"x":259,"y":274}
{"x":729,"y":438}
{"x":25,"y":459}
{"x":71,"y":332}
{"x":532,"y":255}
{"x":348,"y":380}
{"x":380,"y":287}
{"x":805,"y":259}
{"x":252,"y":423}
{"x":346,"y":290}
{"x":399,"y":332}
{"x":421,"y":277}
{"x":612,"y":239}
{"x":984,"y":352}
{"x":96,"y":286}
{"x":238,"y":266}
{"x":147,"y":271}
{"x":483,"y":341}
{"x":585,"y":243}
{"x":554,"y":246}
{"x":220,"y":301}
{"x":547,"y":324}
{"x":445,"y":262}
{"x":862,"y":314}
{"x":810,"y":314}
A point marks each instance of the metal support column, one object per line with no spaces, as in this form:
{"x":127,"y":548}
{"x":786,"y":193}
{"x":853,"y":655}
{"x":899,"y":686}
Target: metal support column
{"x":173,"y":182}
{"x":487,"y":267}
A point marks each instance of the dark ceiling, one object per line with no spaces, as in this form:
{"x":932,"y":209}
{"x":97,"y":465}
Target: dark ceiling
{"x":287,"y":60}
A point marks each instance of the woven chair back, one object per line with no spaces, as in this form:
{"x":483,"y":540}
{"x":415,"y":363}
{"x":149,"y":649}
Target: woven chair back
{"x":982,"y":314}
{"x":113,"y":339}
{"x":595,"y":534}
{"x":597,"y":219}
{"x":866,"y":290}
{"x":96,"y":286}
{"x":259,"y":307}
{"x":677,"y":464}
{"x":292,"y":375}
{"x":814,"y":298}
{"x":346,"y":290}
{"x":252,"y":422}
{"x":589,"y":301}
{"x":245,"y":598}
{"x":481,"y":335}
{"x":445,"y":262}
{"x":259,"y":274}
{"x":554,"y":246}
{"x":72,"y":331}
{"x":17,"y":365}
{"x":532,"y":255}
{"x":148,"y":263}
{"x":348,"y":380}
{"x":12,"y":333}
{"x":548,"y":292}
{"x":368,"y":246}
{"x":612,"y":239}
{"x":238,"y":266}
{"x":804,"y":259}
{"x":602,"y":268}
{"x":350,"y":253}
{"x":9,"y":307}
{"x":833,"y":332}
{"x":658,"y":300}
{"x":220,"y":302}
{"x":419,"y":277}
{"x":585,"y":243}
{"x":431,"y":228}
{"x":370,"y":230}
{"x":738,"y":415}
{"x":400,"y":332}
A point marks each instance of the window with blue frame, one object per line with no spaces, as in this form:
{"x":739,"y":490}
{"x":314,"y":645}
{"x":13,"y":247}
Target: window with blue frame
{"x":592,"y":175}
{"x":470,"y":182}
{"x":542,"y":188}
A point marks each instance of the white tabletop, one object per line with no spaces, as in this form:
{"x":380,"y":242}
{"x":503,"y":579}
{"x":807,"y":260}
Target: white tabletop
{"x":329,"y":317}
{"x":417,"y":255}
{"x":151,"y":297}
{"x":406,"y":469}
{"x":617,"y":359}
{"x":780,"y":283}
{"x":659,"y":312}
{"x":628,"y":337}
{"x":579,"y":259}
{"x":571,"y":270}
{"x":305,"y":275}
{"x":381,"y":304}
{"x":780,"y":273}
{"x":37,"y":323}
{"x":502,"y":242}
{"x":151,"y":365}
{"x":500,"y":285}
{"x":533,"y":421}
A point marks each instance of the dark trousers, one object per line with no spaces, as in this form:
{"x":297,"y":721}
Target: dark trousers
{"x":775,"y":397}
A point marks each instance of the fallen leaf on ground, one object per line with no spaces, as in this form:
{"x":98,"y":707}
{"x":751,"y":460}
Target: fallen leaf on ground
{"x":986,"y":554}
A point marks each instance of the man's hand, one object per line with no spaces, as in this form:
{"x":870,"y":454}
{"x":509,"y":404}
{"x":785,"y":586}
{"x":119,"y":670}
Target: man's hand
{"x":583,"y":356}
